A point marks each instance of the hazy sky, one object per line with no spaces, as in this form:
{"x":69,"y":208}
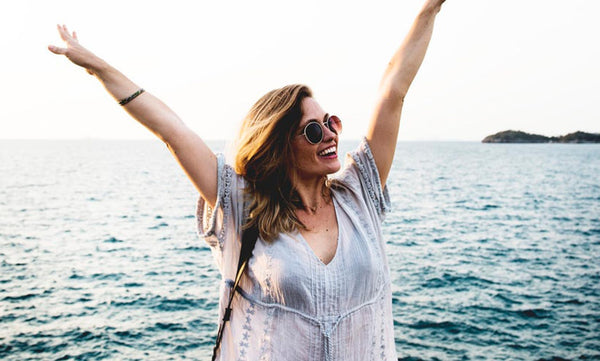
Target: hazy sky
{"x":492,"y":65}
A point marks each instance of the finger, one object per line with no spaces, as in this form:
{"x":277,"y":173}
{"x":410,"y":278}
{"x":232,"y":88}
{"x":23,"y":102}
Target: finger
{"x":75,"y":35}
{"x":66,"y":32}
{"x":57,"y":50}
{"x":61,"y":32}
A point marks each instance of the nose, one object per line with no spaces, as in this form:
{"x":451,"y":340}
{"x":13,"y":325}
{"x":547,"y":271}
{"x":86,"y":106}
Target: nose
{"x":328,"y":134}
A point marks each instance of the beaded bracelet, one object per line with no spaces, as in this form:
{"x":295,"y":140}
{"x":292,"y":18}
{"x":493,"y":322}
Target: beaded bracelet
{"x":131,"y":97}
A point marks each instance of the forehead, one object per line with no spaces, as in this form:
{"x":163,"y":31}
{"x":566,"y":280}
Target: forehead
{"x":311,"y":110}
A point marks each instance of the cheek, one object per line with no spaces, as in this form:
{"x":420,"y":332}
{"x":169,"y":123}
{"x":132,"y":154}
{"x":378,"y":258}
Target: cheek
{"x":307,"y":156}
{"x":302,"y":154}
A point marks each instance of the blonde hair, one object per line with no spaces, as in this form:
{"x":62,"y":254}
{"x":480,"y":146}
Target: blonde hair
{"x":264,"y":157}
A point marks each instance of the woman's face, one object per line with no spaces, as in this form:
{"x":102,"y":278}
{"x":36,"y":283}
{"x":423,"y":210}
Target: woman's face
{"x":314,"y":160}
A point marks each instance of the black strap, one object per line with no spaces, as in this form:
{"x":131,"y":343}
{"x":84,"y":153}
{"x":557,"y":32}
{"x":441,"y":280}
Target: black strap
{"x":249,"y":237}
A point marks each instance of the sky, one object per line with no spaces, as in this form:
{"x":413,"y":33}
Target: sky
{"x":491,"y":65}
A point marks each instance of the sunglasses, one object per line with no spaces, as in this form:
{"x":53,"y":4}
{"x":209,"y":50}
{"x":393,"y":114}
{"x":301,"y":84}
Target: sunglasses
{"x":313,"y":131}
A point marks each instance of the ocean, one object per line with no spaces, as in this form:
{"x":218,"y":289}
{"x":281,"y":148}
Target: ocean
{"x":494,"y":251}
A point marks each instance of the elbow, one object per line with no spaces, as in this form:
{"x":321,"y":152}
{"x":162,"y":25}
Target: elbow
{"x":394,"y":88}
{"x":174,"y":136}
{"x":393,"y":95}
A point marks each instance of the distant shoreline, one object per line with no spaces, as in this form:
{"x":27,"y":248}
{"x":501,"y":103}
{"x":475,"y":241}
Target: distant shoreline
{"x":517,"y":136}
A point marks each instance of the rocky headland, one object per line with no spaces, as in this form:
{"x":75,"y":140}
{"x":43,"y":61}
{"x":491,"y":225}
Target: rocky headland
{"x":516,"y":136}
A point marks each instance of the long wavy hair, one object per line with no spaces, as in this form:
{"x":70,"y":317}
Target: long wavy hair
{"x":264,"y":157}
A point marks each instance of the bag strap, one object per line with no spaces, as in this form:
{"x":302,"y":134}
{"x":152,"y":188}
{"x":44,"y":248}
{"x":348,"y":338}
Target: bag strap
{"x":249,"y":237}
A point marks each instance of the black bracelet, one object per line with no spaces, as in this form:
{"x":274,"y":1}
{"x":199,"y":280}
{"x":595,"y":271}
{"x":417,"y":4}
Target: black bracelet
{"x":131,"y":97}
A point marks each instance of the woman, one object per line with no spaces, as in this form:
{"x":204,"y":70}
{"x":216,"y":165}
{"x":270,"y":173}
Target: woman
{"x":318,"y":285}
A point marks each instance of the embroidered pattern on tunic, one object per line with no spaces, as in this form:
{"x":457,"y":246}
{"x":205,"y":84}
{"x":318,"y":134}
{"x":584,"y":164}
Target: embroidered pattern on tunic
{"x":226,"y":202}
{"x":265,"y":341}
{"x":381,"y":200}
{"x":265,"y":347}
{"x":382,"y":333}
{"x":244,"y":343}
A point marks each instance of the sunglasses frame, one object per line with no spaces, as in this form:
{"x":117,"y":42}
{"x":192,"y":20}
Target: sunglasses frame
{"x":326,"y":123}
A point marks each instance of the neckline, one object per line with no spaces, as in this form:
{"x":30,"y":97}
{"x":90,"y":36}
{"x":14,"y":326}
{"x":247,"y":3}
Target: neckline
{"x":337,"y":246}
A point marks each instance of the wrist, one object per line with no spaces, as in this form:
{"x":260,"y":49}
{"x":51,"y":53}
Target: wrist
{"x":98,"y":67}
{"x":432,"y":7}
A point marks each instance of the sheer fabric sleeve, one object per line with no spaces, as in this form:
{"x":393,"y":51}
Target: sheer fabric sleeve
{"x":361,"y":175}
{"x":220,"y":225}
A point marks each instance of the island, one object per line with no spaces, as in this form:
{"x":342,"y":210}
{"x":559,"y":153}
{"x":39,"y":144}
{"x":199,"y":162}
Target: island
{"x":516,"y":136}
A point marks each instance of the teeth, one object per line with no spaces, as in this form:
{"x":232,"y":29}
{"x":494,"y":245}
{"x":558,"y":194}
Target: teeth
{"x":328,"y":150}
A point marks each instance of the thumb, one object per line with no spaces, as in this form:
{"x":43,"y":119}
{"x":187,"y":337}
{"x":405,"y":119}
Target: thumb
{"x":57,"y":50}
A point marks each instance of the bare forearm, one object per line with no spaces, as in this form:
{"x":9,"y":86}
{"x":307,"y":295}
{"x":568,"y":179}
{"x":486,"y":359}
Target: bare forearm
{"x":146,"y":108}
{"x":407,"y":60}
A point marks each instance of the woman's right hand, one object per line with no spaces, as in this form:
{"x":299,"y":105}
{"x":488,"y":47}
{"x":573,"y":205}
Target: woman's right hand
{"x":75,"y":52}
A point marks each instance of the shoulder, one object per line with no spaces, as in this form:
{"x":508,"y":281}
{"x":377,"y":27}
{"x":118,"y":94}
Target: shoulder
{"x":216,"y":224}
{"x":359,"y":179}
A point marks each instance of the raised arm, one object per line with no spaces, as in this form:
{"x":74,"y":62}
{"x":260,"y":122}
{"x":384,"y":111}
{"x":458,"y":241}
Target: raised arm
{"x":385,"y":121}
{"x":194,"y":156}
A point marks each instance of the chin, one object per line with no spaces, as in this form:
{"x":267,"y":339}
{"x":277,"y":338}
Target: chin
{"x":335,"y":168}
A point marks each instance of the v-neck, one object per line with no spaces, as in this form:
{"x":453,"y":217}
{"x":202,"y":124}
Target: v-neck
{"x":338,"y":240}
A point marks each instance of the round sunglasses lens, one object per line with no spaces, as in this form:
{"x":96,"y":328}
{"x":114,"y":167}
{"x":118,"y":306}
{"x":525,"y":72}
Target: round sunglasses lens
{"x":314,"y":133}
{"x":335,"y":124}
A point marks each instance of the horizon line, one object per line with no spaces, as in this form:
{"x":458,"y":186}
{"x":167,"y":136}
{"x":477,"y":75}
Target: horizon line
{"x":209,"y":139}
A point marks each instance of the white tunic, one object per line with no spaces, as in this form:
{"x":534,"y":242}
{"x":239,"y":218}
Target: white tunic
{"x":291,"y":306}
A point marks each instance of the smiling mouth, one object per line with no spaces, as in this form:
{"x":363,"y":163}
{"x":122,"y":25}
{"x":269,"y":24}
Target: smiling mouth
{"x":328,"y":152}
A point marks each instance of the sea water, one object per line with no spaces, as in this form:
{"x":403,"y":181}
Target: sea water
{"x":494,"y":251}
